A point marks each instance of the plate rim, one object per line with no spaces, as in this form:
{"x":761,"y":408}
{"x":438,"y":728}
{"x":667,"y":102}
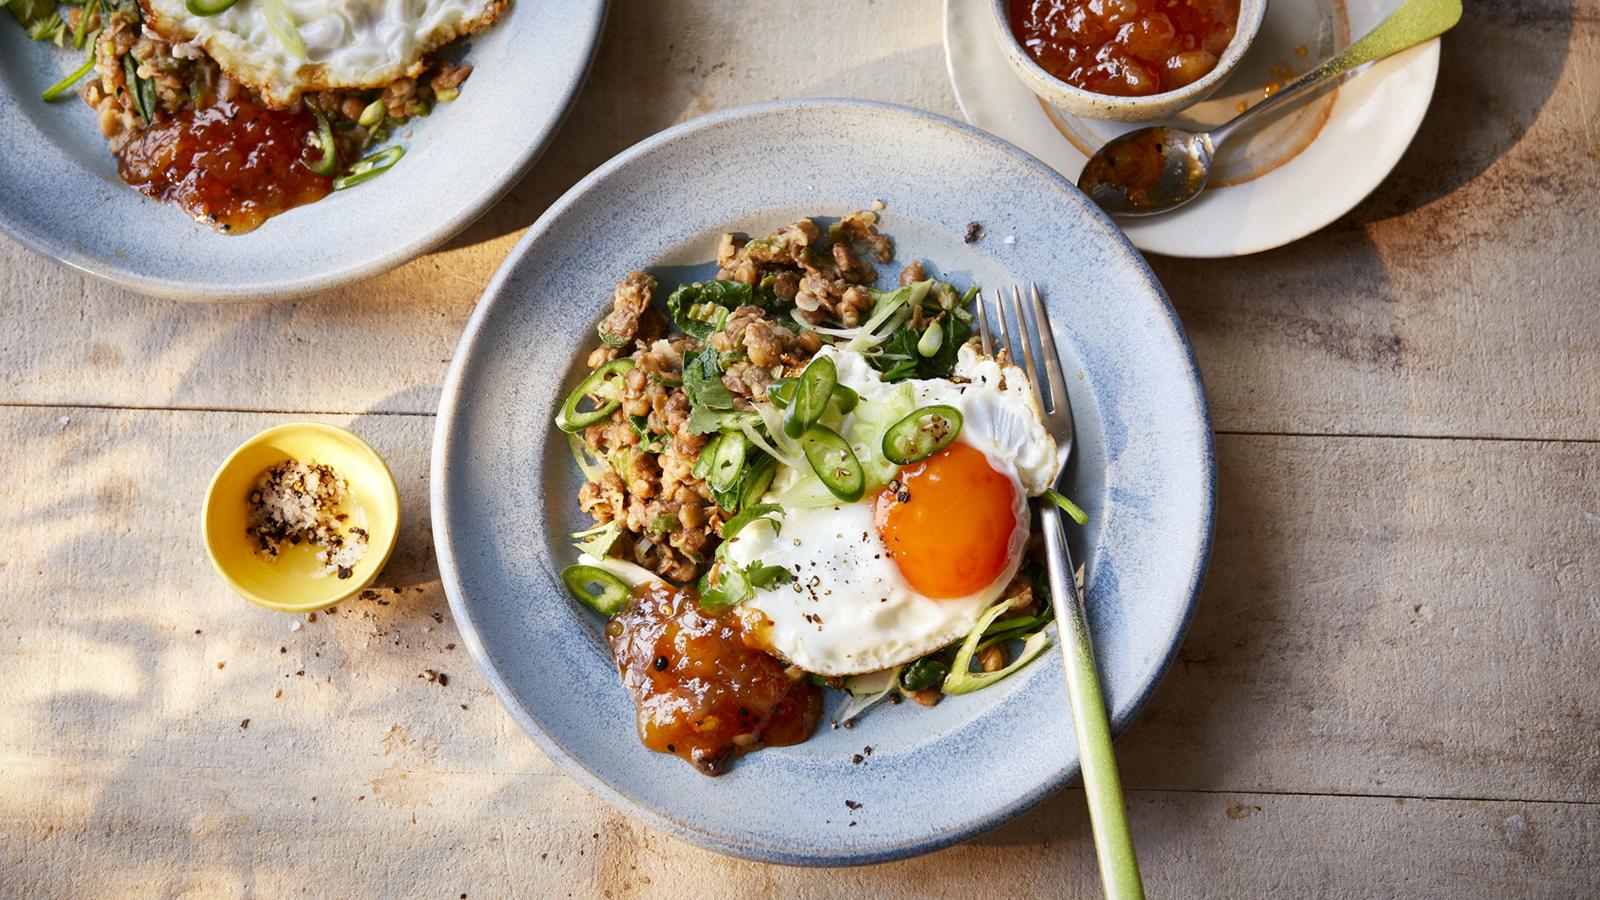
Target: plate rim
{"x":66,"y":252}
{"x":438,"y":497}
{"x":1361,"y":188}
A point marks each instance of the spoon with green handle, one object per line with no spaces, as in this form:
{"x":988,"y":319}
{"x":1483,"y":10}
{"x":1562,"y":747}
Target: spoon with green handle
{"x":1154,"y":170}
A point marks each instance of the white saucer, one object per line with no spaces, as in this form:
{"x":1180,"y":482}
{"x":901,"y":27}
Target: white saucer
{"x":1306,"y":168}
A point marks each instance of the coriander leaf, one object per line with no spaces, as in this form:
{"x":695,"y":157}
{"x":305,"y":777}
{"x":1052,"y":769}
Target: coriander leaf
{"x":649,"y":441}
{"x":750,"y":514}
{"x":702,"y":380}
{"x":705,"y":420}
{"x":731,"y":589}
{"x":768,"y":576}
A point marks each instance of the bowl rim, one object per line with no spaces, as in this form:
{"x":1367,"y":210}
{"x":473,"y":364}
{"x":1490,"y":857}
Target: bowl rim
{"x":384,"y":539}
{"x":1251,"y":14}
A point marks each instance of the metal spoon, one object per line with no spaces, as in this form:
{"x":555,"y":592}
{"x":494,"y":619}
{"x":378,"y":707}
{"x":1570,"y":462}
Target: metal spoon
{"x":1153,"y":170}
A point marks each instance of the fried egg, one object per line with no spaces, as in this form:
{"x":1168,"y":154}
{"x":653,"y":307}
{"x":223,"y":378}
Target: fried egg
{"x":349,"y":44}
{"x":911,"y":566}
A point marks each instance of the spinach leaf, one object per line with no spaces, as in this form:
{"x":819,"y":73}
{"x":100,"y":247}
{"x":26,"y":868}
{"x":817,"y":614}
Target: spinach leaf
{"x":700,"y":308}
{"x":900,"y":359}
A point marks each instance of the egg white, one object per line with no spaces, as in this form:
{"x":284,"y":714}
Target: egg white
{"x":849,"y":610}
{"x":350,"y":44}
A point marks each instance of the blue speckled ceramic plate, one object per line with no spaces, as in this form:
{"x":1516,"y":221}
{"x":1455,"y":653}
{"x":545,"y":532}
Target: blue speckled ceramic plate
{"x":60,"y":194}
{"x":505,"y":485}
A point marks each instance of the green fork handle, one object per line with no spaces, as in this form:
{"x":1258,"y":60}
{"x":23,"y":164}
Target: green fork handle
{"x":1108,"y":816}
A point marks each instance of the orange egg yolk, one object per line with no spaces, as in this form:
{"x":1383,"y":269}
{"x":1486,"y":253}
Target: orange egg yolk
{"x":948,"y":522}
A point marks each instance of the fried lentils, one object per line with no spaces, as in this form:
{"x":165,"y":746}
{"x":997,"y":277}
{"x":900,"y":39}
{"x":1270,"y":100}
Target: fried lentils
{"x":670,"y":519}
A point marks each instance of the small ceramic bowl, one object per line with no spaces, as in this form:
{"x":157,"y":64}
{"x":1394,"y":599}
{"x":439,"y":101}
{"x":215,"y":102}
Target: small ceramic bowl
{"x":295,"y":582}
{"x":1090,"y":105}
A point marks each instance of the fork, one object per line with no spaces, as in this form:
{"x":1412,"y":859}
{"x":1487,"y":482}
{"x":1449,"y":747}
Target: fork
{"x":1108,"y":818}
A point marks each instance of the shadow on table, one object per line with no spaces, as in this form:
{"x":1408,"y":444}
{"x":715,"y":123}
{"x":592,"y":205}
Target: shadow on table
{"x":625,"y":100}
{"x":1497,"y":70}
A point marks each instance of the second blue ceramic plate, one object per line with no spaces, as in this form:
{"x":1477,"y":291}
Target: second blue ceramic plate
{"x":505,"y":486}
{"x":60,"y":194}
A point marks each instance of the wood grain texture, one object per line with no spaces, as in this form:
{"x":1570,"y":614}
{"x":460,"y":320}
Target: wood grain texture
{"x":1382,"y":616}
{"x":1388,"y":688}
{"x":1468,"y":275}
{"x":187,"y":833}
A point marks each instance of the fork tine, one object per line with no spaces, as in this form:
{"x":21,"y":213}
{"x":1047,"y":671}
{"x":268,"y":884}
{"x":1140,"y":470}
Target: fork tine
{"x":1052,"y":357}
{"x":1005,"y":327}
{"x":1027,"y":338}
{"x":983,"y":327}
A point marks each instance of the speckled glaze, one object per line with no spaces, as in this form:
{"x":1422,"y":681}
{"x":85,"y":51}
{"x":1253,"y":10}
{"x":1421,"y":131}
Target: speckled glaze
{"x":1091,"y":105}
{"x":60,"y":194}
{"x":504,"y":483}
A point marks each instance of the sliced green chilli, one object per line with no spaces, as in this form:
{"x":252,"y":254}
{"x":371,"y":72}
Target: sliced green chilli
{"x":921,"y":434}
{"x":811,"y":395}
{"x":328,"y":165}
{"x":834,"y":462}
{"x":597,"y":589}
{"x":370,"y":167}
{"x":761,"y":472}
{"x":708,"y":453}
{"x":604,"y":386}
{"x":727,"y":461}
{"x":780,"y":392}
{"x":205,"y":8}
{"x":845,"y":398}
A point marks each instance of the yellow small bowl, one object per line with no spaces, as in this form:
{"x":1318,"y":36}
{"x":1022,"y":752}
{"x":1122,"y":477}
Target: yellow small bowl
{"x":295,"y":582}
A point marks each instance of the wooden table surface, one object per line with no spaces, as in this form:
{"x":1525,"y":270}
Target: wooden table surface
{"x":1390,"y":686}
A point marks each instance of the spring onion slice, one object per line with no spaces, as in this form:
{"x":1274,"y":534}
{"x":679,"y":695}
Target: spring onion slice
{"x":631,"y":574}
{"x":81,"y":32}
{"x":284,"y":27}
{"x":593,"y":467}
{"x":865,"y":692}
{"x":1067,"y":506}
{"x":370,"y":167}
{"x":329,"y":163}
{"x":61,"y":87}
{"x":372,"y":114}
{"x":597,"y":541}
{"x":962,"y":680}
